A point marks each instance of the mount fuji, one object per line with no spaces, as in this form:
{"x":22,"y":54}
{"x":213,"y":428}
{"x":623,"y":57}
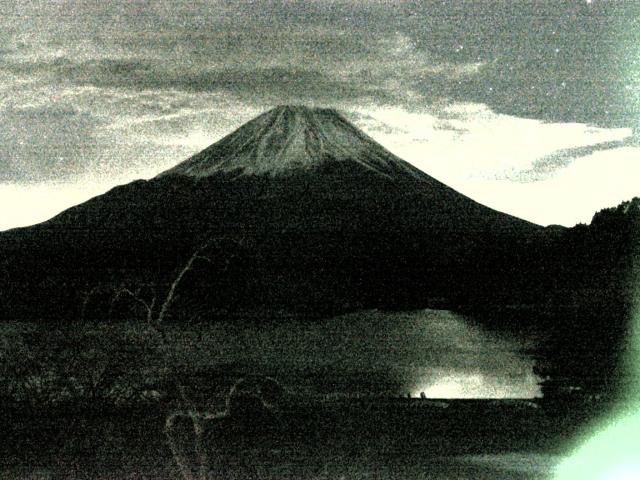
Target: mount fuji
{"x":302,"y":212}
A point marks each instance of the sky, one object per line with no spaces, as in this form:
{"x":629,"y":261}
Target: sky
{"x":532,"y":108}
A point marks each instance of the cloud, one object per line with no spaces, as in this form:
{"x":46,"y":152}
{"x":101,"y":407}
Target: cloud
{"x":557,"y":61}
{"x":268,"y":84}
{"x":462,"y":141}
{"x":45,"y":143}
{"x":69,"y":133}
{"x":603,"y":179}
{"x":546,"y":166}
{"x":568,"y":62}
{"x":275,"y":84}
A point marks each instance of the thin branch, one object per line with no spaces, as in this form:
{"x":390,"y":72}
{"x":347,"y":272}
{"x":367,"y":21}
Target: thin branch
{"x":148,"y":306}
{"x":204,"y":259}
{"x":172,"y":290}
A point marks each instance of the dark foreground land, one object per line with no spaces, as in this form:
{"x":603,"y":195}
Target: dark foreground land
{"x":381,"y":438}
{"x":75,"y":407}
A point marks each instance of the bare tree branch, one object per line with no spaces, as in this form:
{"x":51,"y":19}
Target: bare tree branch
{"x":155,"y":318}
{"x":136,"y":296}
{"x":172,"y":290}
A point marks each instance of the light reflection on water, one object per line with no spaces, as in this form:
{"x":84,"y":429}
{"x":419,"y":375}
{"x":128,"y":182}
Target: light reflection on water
{"x":477,"y":365}
{"x":436,"y":352}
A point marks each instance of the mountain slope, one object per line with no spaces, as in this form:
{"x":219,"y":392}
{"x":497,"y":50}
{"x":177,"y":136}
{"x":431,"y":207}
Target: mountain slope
{"x":303,"y":212}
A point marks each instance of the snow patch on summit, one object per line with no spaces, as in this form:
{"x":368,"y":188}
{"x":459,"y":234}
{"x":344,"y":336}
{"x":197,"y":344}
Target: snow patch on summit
{"x":292,"y":138}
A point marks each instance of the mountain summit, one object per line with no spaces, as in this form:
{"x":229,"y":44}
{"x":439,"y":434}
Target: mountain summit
{"x":291,"y":138}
